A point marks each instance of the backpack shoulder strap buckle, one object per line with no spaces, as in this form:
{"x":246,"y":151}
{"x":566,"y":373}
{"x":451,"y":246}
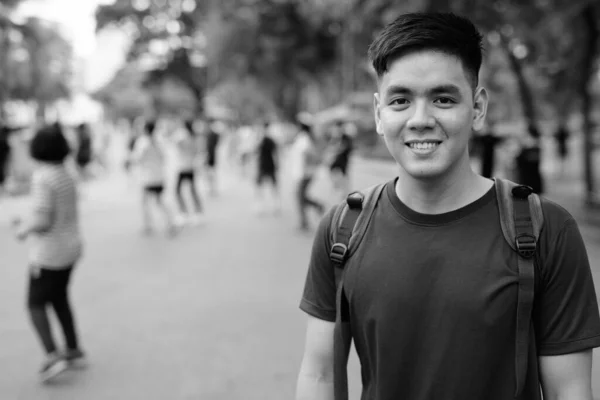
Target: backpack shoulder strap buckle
{"x":338,"y":253}
{"x":526,"y":245}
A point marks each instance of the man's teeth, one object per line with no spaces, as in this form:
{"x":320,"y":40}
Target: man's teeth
{"x":423,"y":146}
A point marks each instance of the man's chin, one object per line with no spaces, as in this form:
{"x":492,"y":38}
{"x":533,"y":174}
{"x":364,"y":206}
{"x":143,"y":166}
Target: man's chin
{"x":430,"y":173}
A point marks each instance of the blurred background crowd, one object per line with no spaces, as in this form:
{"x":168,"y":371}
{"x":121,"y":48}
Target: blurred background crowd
{"x":243,"y":62}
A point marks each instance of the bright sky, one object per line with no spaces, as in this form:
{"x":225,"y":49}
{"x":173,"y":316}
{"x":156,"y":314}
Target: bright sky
{"x":101,"y":55}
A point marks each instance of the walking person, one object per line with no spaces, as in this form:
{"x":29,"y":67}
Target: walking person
{"x":268,"y":166}
{"x":342,"y":150}
{"x":212,"y":143}
{"x":187,"y":153}
{"x":488,"y":141}
{"x":52,"y":228}
{"x":307,"y":161}
{"x":561,"y":136}
{"x":529,"y":159}
{"x":149,"y":158}
{"x":5,"y":151}
{"x":84,"y":153}
{"x":439,"y":303}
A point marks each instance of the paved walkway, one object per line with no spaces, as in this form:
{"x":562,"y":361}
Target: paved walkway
{"x":209,"y":315}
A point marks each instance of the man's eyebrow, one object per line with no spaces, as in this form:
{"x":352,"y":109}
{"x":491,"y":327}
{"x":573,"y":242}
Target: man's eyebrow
{"x":448,"y":88}
{"x":445,"y":88}
{"x":396,"y":89}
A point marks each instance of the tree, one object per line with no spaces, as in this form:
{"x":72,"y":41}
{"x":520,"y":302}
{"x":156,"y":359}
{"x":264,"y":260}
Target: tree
{"x":165,"y":39}
{"x":124,"y":96}
{"x":36,"y":62}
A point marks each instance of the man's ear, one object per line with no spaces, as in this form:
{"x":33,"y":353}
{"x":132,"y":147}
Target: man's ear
{"x":480,"y":104}
{"x":377,"y":111}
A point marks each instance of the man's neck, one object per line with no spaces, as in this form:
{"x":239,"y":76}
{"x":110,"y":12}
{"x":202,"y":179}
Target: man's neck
{"x":437,"y":196}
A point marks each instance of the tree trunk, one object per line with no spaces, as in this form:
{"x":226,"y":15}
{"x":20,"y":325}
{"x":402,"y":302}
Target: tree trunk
{"x":592,"y":32}
{"x":525,"y":92}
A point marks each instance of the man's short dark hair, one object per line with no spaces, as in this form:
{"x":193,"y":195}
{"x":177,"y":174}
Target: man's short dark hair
{"x":49,"y":145}
{"x":444,"y":32}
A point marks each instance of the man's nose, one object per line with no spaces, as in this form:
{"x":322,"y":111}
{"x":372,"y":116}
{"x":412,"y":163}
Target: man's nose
{"x":421,"y":119}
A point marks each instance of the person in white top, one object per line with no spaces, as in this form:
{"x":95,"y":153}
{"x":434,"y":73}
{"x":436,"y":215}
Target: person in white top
{"x":149,"y":158}
{"x":306,"y":163}
{"x":52,"y":228}
{"x":187,"y":154}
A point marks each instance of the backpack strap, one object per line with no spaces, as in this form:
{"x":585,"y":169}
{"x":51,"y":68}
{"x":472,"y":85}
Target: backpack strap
{"x":350,"y":222}
{"x":521,"y":219}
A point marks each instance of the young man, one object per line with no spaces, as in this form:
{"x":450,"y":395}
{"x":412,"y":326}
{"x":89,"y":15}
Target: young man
{"x":432,"y":288}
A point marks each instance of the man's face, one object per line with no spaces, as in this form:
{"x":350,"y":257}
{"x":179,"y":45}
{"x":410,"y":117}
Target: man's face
{"x":425,"y":110}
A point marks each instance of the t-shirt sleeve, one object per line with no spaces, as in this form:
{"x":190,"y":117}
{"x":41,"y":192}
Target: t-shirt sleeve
{"x":318,"y":298}
{"x":41,"y":195}
{"x":567,"y":318}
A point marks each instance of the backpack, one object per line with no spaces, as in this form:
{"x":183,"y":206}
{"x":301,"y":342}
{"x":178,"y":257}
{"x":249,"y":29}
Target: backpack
{"x":521,"y":220}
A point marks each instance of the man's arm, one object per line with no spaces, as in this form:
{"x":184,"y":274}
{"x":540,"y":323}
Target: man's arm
{"x":567,"y":377}
{"x":315,"y":380}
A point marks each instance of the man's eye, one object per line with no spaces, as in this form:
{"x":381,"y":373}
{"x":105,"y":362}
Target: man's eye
{"x":399,"y":102}
{"x":445,"y":100}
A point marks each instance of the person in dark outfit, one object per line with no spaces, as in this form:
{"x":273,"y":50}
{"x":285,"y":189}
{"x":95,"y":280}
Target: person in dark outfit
{"x":528,"y":161}
{"x":343,"y":146}
{"x":84,"y":152}
{"x":212,"y":143}
{"x":561,"y":136}
{"x":4,"y":155}
{"x":487,"y":143}
{"x":267,"y":163}
{"x":430,"y":293}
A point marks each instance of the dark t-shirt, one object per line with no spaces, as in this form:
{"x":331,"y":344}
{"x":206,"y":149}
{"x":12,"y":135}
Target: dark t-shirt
{"x":266,"y":154}
{"x":433,"y":300}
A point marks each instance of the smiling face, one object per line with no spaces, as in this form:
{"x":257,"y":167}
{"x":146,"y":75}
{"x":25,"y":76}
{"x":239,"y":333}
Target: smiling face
{"x":425,"y":110}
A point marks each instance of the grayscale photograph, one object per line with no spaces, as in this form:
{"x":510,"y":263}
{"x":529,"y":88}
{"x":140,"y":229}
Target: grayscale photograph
{"x":299,"y":199}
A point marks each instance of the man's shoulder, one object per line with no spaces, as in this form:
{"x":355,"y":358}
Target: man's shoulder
{"x":555,"y":215}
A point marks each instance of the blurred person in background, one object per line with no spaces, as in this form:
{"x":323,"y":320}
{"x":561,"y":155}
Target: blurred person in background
{"x":84,"y":150}
{"x":52,"y":227}
{"x":528,"y":160}
{"x":187,"y":153}
{"x":306,"y":161}
{"x":212,"y":142}
{"x":246,"y":147}
{"x":148,"y":156}
{"x":268,"y":166}
{"x":4,"y":155}
{"x":342,"y":145}
{"x":487,"y":141}
{"x":561,"y":137}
